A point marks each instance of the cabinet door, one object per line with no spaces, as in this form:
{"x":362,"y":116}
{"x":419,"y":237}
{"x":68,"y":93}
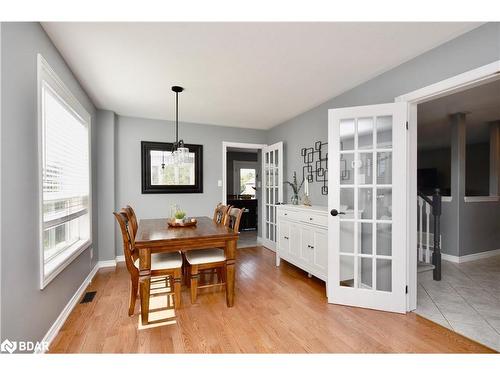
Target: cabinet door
{"x":307,"y":246}
{"x":320,"y":258}
{"x":283,"y":238}
{"x":295,"y":240}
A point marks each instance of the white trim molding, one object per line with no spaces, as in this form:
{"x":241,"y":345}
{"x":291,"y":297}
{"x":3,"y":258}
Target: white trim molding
{"x":460,"y":82}
{"x":491,"y":198}
{"x":470,"y":257}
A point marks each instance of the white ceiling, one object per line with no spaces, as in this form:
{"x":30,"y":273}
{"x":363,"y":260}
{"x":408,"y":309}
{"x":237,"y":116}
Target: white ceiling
{"x":481,"y":105}
{"x":253,"y":75}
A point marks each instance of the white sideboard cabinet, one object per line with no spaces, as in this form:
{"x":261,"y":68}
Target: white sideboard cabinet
{"x":302,"y":238}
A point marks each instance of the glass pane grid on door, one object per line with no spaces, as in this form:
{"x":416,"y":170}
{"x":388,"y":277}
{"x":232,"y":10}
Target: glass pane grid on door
{"x":366,"y":197}
{"x":271,"y":192}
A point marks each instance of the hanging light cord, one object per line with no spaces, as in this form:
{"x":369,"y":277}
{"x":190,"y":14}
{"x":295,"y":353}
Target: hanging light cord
{"x":176,"y":119}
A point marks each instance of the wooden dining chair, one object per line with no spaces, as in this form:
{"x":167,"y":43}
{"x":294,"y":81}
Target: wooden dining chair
{"x":166,"y":265}
{"x":211,"y":259}
{"x":132,"y":218}
{"x":220,"y":213}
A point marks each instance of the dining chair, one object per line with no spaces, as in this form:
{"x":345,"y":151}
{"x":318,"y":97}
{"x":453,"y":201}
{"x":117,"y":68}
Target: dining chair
{"x":220,"y":213}
{"x":132,"y":218}
{"x":211,"y":259}
{"x":218,"y":218}
{"x":163,"y":265}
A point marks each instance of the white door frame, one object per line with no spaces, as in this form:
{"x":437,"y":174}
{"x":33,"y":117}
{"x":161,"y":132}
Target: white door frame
{"x":252,"y":146}
{"x":460,"y":82}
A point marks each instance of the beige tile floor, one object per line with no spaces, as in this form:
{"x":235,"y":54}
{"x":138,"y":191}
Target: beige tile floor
{"x":466,"y":300}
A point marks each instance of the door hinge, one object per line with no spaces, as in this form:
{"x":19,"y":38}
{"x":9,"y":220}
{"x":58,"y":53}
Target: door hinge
{"x":406,"y":125}
{"x":406,"y":289}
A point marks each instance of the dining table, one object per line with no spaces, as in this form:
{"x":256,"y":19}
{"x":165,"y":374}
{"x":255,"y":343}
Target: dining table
{"x":156,"y":236}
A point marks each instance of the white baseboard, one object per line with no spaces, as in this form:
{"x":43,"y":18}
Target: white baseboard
{"x":107,"y":263}
{"x":470,"y":257}
{"x":450,"y":258}
{"x":260,"y":241}
{"x":120,"y":258}
{"x":61,"y":319}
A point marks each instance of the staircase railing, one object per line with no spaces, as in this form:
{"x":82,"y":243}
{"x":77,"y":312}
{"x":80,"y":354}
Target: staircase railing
{"x":430,"y":206}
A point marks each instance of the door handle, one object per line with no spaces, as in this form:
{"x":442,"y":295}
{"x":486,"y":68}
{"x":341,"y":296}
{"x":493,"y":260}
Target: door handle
{"x":334,"y":212}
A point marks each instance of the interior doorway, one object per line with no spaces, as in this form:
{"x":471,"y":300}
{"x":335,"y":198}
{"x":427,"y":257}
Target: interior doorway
{"x":454,"y":146}
{"x":244,"y":190}
{"x":252,"y":178}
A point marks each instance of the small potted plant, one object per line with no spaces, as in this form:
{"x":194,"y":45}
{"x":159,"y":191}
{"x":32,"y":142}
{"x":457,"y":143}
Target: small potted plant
{"x":179,"y":217}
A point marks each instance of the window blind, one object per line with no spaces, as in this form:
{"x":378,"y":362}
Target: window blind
{"x":65,"y":174}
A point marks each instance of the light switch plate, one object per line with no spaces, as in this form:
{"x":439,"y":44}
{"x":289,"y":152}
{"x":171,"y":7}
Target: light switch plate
{"x":219,"y":183}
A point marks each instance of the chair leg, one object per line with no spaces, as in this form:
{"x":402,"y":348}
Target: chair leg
{"x":134,"y":288}
{"x":177,"y":288}
{"x":194,"y":282}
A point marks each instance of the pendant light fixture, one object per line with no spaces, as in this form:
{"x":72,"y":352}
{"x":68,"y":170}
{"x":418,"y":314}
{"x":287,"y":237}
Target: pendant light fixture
{"x":180,"y":153}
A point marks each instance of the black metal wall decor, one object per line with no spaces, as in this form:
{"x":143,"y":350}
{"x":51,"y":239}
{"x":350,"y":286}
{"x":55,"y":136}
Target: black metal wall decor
{"x":316,"y":164}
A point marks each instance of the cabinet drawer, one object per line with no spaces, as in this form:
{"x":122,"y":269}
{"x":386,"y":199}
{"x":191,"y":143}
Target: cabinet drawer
{"x":314,"y":218}
{"x":287,"y":214}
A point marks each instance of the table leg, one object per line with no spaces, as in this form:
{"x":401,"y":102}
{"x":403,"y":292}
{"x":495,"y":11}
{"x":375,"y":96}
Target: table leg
{"x":145,"y":282}
{"x":230,"y":252}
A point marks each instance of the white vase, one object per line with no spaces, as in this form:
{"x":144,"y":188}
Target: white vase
{"x":179,"y":221}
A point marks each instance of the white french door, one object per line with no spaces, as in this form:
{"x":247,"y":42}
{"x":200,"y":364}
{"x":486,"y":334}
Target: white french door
{"x":367,"y":202}
{"x":272,"y":191}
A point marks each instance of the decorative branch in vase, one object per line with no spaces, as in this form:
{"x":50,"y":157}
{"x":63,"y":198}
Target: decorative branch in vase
{"x":295,"y":187}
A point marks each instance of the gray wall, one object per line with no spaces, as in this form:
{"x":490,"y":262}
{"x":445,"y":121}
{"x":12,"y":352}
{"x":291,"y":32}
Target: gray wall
{"x":476,"y":48}
{"x":477,"y":169}
{"x":106,"y":131}
{"x":129,"y":134}
{"x":28,"y":312}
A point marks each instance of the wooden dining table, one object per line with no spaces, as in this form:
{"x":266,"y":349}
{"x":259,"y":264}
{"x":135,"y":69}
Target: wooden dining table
{"x":155,"y":236}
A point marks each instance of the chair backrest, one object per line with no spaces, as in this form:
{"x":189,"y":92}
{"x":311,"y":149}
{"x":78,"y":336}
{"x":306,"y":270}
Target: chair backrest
{"x":131,"y":218}
{"x":233,"y":218}
{"x":129,"y":250}
{"x":220,"y":213}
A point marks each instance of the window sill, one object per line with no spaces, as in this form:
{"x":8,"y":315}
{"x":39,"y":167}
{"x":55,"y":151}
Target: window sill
{"x":56,"y":265}
{"x":491,"y":198}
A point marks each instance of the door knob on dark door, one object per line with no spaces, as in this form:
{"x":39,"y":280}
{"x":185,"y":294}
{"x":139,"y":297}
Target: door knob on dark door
{"x":334,"y":212}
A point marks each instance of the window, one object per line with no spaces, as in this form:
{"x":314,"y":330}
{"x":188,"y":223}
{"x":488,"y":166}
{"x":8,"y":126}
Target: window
{"x":159,"y":176}
{"x":64,"y":139}
{"x":247,"y":181}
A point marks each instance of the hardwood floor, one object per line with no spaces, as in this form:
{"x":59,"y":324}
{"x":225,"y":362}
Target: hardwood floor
{"x":276,"y":310}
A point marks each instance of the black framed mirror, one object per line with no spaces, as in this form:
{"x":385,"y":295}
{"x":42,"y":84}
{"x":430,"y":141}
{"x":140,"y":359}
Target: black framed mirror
{"x":159,"y":176}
